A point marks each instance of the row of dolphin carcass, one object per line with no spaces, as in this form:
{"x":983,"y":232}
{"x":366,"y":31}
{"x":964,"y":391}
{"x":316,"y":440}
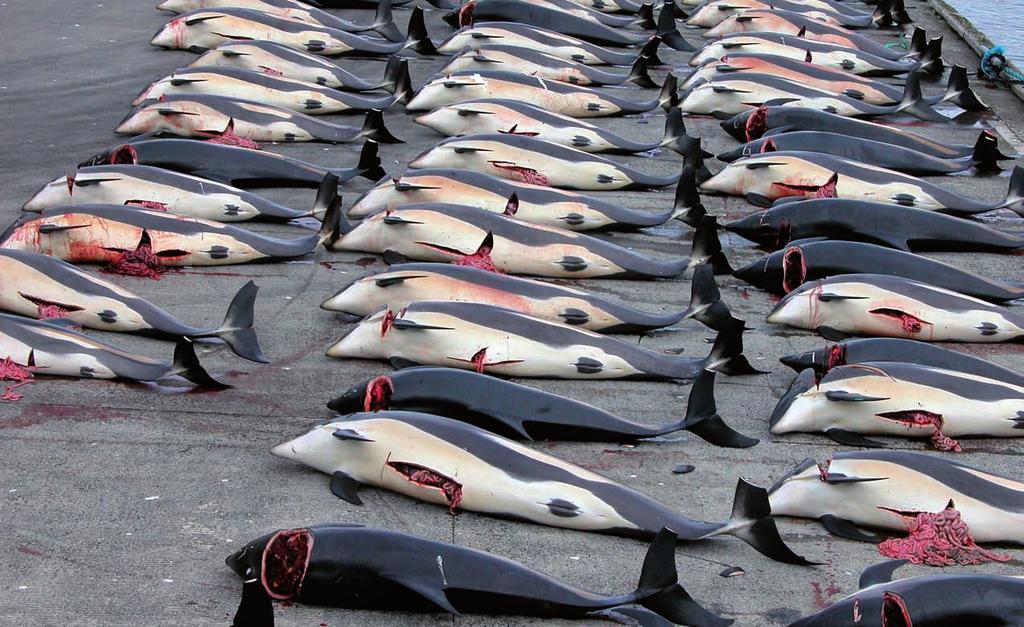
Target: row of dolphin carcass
{"x":508,"y":173}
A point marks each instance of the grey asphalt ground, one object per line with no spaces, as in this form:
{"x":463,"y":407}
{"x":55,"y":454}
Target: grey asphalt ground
{"x":119,"y":502}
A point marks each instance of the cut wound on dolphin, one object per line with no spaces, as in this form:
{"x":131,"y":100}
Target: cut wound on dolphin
{"x":794,"y":269}
{"x":921,"y":418}
{"x":908,"y":322}
{"x":147,"y":204}
{"x":428,"y":478}
{"x":141,"y":262}
{"x":10,"y":370}
{"x":756,"y":123}
{"x":521,"y":173}
{"x":895,"y":612}
{"x":284,"y":563}
{"x":378,"y":393}
{"x":937,"y":539}
{"x":46,"y":309}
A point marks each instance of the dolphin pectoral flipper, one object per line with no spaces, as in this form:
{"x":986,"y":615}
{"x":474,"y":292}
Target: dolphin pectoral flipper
{"x":432,"y":593}
{"x":850,"y":438}
{"x":401,"y":363}
{"x":255,"y":609}
{"x":847,"y":529}
{"x":345,"y":487}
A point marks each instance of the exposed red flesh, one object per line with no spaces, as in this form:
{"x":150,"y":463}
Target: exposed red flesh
{"x":147,"y":204}
{"x":271,"y":71}
{"x":389,"y":319}
{"x":520,"y":173}
{"x":941,"y":539}
{"x":432,"y":479}
{"x":378,"y":393}
{"x":769,"y":146}
{"x":141,"y":262}
{"x":794,"y":269}
{"x":13,"y":371}
{"x":230,"y":139}
{"x":466,"y":14}
{"x":755,"y":125}
{"x":909,"y":322}
{"x":825,"y":190}
{"x":481,"y":260}
{"x":124,"y":154}
{"x":921,"y":418}
{"x":895,"y":612}
{"x":480,"y":363}
{"x":284,"y":563}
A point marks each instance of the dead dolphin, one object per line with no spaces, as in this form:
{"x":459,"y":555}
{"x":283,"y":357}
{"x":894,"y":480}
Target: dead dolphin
{"x":511,"y":117}
{"x":233,"y":165}
{"x":544,"y":65}
{"x":468,"y":235}
{"x":279,"y":60}
{"x":902,"y":228}
{"x":383,"y":23}
{"x":785,"y":270}
{"x":735,"y":92}
{"x":927,"y":59}
{"x":215,"y":116}
{"x":278,"y":91}
{"x":874,"y":489}
{"x":712,"y":12}
{"x":109,"y":233}
{"x":572,"y":100}
{"x":943,"y":599}
{"x":164,"y":190}
{"x":40,"y":286}
{"x":985,"y":158}
{"x":547,"y":41}
{"x":202,"y":29}
{"x":451,"y":463}
{"x":864,"y":350}
{"x":534,"y":160}
{"x":536,"y":204}
{"x":350,"y":565}
{"x":485,"y":338}
{"x":484,"y":401}
{"x":767,"y":177}
{"x":50,"y":349}
{"x":890,"y":306}
{"x":474,"y":10}
{"x":404,"y":284}
{"x":765,"y":121}
{"x":900,"y":399}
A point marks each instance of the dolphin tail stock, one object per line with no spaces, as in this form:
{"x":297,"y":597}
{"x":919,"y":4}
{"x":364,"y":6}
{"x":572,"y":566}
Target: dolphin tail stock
{"x":959,"y":91}
{"x":913,"y":101}
{"x":1014,"y":200}
{"x":418,"y":39}
{"x":373,"y":128}
{"x":706,"y":304}
{"x":702,"y":417}
{"x":882,"y":15}
{"x":659,"y":589}
{"x":186,"y":365}
{"x":898,"y":13}
{"x":726,"y":355}
{"x":669,"y":33}
{"x":334,"y":224}
{"x":687,"y":206}
{"x":639,"y":75}
{"x":669,"y":96}
{"x":384,"y":23}
{"x":237,"y":331}
{"x":751,"y":522}
{"x":369,"y":165}
{"x":645,"y":17}
{"x":707,"y":248}
{"x":650,"y":51}
{"x":931,"y":59}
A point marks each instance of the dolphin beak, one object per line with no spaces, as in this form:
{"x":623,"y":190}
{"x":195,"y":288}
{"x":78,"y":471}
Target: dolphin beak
{"x":730,"y":155}
{"x":285,"y":450}
{"x":803,"y":382}
{"x":419,"y":160}
{"x":750,"y":273}
{"x":798,"y":362}
{"x":416,"y":104}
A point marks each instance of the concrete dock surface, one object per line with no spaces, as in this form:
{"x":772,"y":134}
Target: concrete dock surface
{"x":119,"y":502}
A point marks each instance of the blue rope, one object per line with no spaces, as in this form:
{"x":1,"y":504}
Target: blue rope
{"x":995,"y":67}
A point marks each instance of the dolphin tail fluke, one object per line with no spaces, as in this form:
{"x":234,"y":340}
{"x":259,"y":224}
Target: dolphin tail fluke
{"x":369,"y":166}
{"x":687,"y":206}
{"x":702,"y":417}
{"x":645,"y":17}
{"x":669,"y":33}
{"x":186,"y":365}
{"x":403,"y":89}
{"x":418,"y":39}
{"x":918,"y":42}
{"x":986,"y":155}
{"x":384,"y":22}
{"x":707,"y":248}
{"x":675,"y":132}
{"x":913,"y":101}
{"x":726,"y":355}
{"x":931,"y":58}
{"x":334,"y":225}
{"x":706,"y":304}
{"x":659,"y":589}
{"x":898,"y":13}
{"x":255,"y":609}
{"x":650,"y":51}
{"x":959,"y":91}
{"x":1014,"y":200}
{"x":882,"y":15}
{"x":373,"y":128}
{"x":669,"y":96}
{"x":237,"y":331}
{"x":751,"y":522}
{"x":639,"y":75}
